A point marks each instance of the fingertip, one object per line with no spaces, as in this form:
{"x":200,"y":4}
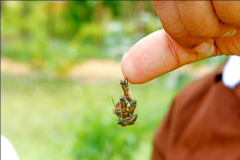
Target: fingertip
{"x":230,"y":33}
{"x":142,"y":62}
{"x":129,"y":69}
{"x":205,"y":49}
{"x":125,"y":66}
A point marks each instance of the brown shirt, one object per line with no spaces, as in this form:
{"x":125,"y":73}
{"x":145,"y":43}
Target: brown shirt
{"x":202,"y":124}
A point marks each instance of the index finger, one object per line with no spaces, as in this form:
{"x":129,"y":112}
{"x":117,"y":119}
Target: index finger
{"x":201,"y":21}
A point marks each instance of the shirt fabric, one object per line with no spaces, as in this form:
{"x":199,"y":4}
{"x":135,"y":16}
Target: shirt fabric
{"x":203,"y":122}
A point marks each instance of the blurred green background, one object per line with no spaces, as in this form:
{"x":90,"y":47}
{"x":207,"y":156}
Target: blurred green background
{"x":60,"y":66}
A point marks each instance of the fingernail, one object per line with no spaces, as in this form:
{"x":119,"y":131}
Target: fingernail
{"x":230,"y":33}
{"x":205,"y":49}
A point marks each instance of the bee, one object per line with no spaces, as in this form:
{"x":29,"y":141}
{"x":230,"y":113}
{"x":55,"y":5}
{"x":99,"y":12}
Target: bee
{"x":125,"y":107}
{"x":123,"y":102}
{"x":125,"y":112}
{"x":120,"y":109}
{"x":117,"y":108}
{"x":126,"y":90}
{"x":132,"y":107}
{"x":127,"y":122}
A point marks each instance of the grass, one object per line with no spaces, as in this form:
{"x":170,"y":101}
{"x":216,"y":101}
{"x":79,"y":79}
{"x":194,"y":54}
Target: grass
{"x":48,"y":118}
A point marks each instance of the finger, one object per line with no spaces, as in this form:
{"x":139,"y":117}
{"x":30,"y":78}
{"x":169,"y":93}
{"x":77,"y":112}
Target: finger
{"x":200,"y":20}
{"x":229,"y":46}
{"x":153,"y":56}
{"x":228,"y":12}
{"x":168,"y":14}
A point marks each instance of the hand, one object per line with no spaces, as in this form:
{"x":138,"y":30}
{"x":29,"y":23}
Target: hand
{"x":181,"y":42}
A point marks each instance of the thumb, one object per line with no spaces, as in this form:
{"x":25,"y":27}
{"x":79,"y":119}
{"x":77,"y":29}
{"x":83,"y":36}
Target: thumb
{"x":155,"y":55}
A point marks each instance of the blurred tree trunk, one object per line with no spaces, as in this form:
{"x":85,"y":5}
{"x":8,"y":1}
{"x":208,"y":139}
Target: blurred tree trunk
{"x":140,"y":6}
{"x":50,"y":20}
{"x":1,"y":5}
{"x":24,"y":32}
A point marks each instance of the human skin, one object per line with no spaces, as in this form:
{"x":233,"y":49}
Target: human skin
{"x":193,"y":30}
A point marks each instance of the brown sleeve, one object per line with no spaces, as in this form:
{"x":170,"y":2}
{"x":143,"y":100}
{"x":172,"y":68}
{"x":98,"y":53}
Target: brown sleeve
{"x":203,"y":123}
{"x":162,"y":136}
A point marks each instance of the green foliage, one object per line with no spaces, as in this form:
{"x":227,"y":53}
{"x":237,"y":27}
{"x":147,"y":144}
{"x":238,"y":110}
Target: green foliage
{"x":53,"y":36}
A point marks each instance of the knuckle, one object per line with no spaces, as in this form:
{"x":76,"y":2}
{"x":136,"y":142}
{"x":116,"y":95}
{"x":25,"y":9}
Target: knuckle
{"x":202,"y":32}
{"x":231,"y":20}
{"x":201,"y":28}
{"x":186,"y":40}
